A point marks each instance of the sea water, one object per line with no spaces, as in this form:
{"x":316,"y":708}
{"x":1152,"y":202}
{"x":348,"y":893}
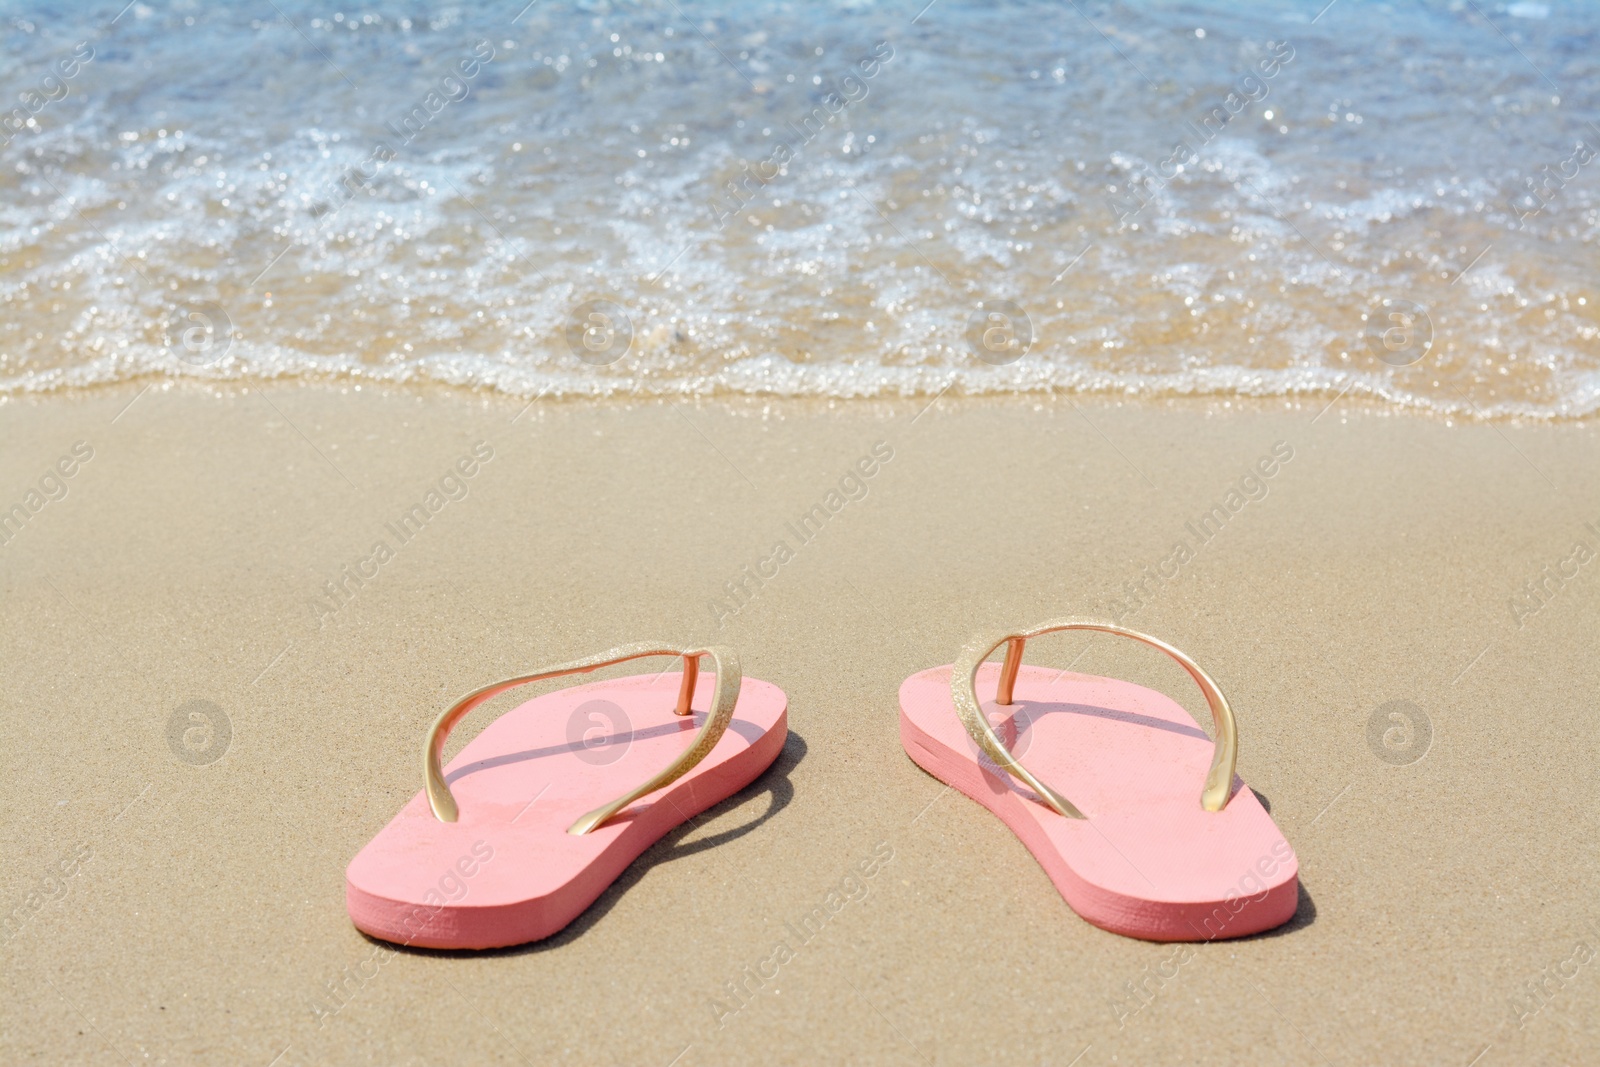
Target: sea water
{"x":841,"y":199}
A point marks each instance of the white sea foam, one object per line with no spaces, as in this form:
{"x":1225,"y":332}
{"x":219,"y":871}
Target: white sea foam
{"x":984,"y":161}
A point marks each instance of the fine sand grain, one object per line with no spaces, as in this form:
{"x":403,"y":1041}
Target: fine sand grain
{"x":171,"y":910}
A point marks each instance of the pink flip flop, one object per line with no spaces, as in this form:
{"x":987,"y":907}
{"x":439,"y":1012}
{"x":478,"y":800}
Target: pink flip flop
{"x":507,"y":846}
{"x":1135,"y":851}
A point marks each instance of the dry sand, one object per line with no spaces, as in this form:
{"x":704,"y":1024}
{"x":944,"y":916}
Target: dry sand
{"x":204,"y":921}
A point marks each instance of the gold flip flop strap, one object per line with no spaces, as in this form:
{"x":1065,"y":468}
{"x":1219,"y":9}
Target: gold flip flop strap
{"x":963,"y":691}
{"x":724,"y":696}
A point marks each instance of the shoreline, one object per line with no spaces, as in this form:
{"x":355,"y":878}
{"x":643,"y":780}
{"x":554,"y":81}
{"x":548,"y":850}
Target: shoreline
{"x":1219,"y":403}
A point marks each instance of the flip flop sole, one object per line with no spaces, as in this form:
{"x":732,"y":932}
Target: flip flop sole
{"x":507,"y":872}
{"x":1148,"y":861}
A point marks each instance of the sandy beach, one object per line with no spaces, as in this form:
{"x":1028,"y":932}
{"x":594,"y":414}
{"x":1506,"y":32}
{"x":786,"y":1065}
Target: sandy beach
{"x":353,"y":360}
{"x":186,"y":905}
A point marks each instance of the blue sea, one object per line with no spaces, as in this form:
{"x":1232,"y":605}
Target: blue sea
{"x":1301,"y":200}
